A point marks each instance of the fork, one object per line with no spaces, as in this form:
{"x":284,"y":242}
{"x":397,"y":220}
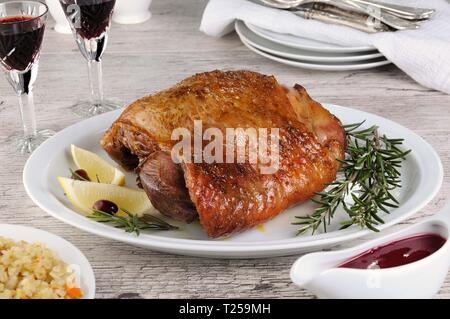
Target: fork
{"x":400,"y":11}
{"x":390,"y":20}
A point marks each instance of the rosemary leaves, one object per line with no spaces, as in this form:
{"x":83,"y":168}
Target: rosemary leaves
{"x":369,"y":174}
{"x":131,"y":223}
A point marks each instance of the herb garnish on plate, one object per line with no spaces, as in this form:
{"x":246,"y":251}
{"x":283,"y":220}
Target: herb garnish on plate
{"x":370,"y":172}
{"x":131,"y":223}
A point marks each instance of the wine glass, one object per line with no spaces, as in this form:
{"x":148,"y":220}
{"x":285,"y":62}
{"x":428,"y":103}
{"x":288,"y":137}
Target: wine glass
{"x":90,"y":21}
{"x":22,"y":25}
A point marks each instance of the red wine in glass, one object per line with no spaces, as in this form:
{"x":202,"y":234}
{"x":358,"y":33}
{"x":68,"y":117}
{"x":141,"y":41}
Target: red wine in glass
{"x":20,"y":45}
{"x":22,"y":25}
{"x":90,"y":21}
{"x":94,"y":16}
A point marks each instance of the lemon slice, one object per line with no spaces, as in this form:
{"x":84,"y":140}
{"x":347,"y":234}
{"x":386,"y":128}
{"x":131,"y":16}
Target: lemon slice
{"x":83,"y":195}
{"x":96,"y":167}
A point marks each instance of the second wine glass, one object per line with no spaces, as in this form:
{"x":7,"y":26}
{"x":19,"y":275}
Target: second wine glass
{"x":90,"y":21}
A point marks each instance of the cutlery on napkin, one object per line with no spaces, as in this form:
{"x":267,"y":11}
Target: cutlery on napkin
{"x":360,"y":16}
{"x":423,"y":54}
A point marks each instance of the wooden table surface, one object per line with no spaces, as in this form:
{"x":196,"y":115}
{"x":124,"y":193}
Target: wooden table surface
{"x":141,"y":59}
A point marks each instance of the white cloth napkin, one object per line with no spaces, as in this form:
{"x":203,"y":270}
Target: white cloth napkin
{"x":423,"y":54}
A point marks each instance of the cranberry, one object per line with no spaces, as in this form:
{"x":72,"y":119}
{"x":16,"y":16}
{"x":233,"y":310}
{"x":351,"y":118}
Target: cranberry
{"x":106,"y":206}
{"x":81,"y":174}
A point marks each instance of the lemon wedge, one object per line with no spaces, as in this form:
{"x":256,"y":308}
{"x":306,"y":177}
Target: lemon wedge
{"x":83,"y":195}
{"x":96,"y":167}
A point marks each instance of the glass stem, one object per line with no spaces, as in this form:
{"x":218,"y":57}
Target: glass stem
{"x":95,"y":73}
{"x":28,"y":115}
{"x":22,"y":82}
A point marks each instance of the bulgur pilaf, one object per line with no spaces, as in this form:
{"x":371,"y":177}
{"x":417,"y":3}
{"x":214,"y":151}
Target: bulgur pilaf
{"x":32,"y":271}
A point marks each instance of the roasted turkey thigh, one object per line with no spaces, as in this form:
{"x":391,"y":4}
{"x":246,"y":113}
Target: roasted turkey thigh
{"x":229,"y":197}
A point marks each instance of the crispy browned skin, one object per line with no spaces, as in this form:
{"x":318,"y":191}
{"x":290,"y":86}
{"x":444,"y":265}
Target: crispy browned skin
{"x":234,"y":197}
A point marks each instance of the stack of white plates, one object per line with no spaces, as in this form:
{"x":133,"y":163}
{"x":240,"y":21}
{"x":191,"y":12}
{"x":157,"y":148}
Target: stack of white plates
{"x":306,"y":53}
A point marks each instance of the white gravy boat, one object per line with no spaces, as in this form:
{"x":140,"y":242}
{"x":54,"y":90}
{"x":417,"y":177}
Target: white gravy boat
{"x":319,"y":272}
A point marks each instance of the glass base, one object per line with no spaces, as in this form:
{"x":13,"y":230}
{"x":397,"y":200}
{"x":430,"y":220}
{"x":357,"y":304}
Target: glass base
{"x":26,"y":145}
{"x":91,"y":108}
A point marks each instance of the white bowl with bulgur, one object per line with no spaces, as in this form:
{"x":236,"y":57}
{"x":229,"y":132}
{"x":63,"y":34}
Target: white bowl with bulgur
{"x":35,"y":264}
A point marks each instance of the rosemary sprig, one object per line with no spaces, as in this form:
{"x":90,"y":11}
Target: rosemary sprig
{"x":131,"y":223}
{"x":369,"y":174}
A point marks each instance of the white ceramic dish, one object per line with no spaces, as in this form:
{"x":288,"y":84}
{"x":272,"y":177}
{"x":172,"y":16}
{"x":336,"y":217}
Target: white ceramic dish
{"x":304,"y":43}
{"x":132,"y":12}
{"x":422,"y":178}
{"x":298,"y":54}
{"x":67,"y":252}
{"x":321,"y":66}
{"x":318,"y":273}
{"x":57,"y":12}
